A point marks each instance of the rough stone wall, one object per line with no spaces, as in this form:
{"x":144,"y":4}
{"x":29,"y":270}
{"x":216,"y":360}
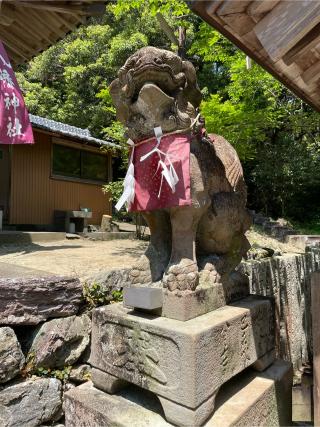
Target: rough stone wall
{"x":287,"y":279}
{"x":44,"y":334}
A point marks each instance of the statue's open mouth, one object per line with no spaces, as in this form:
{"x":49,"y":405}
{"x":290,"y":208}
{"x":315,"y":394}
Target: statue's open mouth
{"x":152,"y":95}
{"x":158,"y":108}
{"x":153,"y":104}
{"x":162,"y":76}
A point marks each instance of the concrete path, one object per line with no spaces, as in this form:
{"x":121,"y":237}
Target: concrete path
{"x":84,"y":258}
{"x":80,"y":258}
{"x":15,"y":271}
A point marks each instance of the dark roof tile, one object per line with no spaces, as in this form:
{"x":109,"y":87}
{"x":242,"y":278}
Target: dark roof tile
{"x":68,"y":130}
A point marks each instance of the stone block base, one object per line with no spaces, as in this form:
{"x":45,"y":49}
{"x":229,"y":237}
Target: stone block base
{"x":187,"y":305}
{"x":206,"y":297}
{"x":183,"y":363}
{"x":190,"y":304}
{"x":251,"y":398}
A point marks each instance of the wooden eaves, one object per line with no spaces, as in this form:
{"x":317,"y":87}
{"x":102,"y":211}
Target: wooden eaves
{"x":283,"y":36}
{"x":28,"y":27}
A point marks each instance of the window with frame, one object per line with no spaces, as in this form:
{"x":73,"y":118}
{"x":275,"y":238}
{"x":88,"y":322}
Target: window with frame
{"x":75,"y":163}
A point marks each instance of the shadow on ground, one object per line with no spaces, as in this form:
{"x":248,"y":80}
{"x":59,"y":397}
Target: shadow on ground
{"x":32,"y":247}
{"x":134,"y":252}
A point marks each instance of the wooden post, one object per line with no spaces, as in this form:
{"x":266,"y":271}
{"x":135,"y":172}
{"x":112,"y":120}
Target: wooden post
{"x":182,"y":43}
{"x":315,"y":311}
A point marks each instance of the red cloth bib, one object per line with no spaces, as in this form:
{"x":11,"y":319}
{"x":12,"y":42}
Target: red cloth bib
{"x":149,"y":193}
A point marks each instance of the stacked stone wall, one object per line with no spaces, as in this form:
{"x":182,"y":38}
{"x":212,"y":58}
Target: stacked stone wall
{"x":286,"y":278}
{"x":44,"y":334}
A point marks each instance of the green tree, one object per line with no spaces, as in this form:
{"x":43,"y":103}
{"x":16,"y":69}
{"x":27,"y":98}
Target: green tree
{"x":275,"y":134}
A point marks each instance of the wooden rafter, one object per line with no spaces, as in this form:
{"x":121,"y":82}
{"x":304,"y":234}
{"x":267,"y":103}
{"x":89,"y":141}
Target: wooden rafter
{"x":66,"y":22}
{"x":28,"y":26}
{"x":310,"y":41}
{"x":286,"y":25}
{"x":63,"y":7}
{"x":13,"y":47}
{"x":283,"y":36}
{"x":21,"y":44}
{"x":312,"y":74}
{"x":260,"y":7}
{"x":230,"y":7}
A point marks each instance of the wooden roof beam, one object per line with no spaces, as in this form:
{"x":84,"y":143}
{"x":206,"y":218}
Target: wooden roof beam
{"x":32,"y":25}
{"x":19,"y":43}
{"x":42,"y":23}
{"x":57,"y":22}
{"x":309,"y":41}
{"x":312,"y":74}
{"x":49,"y":20}
{"x":286,"y":25}
{"x":28,"y":28}
{"x":212,"y":6}
{"x":4,"y":20}
{"x":233,"y":13}
{"x":260,"y":7}
{"x":63,"y":7}
{"x":14,"y":58}
{"x":7,"y":15}
{"x":13,"y":47}
{"x":62,"y":19}
{"x":202,"y":9}
{"x":230,"y":7}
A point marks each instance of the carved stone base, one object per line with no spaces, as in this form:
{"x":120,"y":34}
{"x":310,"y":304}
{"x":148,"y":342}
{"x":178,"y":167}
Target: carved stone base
{"x":177,"y":305}
{"x":107,"y":382}
{"x":174,"y":413}
{"x":186,"y":305}
{"x":190,"y":304}
{"x":182,"y":362}
{"x":181,"y":415}
{"x":249,"y":399}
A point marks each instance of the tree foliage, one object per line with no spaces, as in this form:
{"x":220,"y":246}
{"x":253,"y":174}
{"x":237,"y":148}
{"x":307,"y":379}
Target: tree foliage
{"x":275,"y":134}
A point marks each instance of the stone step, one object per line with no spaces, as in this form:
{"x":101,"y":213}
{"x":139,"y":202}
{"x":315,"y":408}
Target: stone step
{"x":28,"y":237}
{"x":303,"y":240}
{"x":109,"y":235}
{"x":250,"y":398}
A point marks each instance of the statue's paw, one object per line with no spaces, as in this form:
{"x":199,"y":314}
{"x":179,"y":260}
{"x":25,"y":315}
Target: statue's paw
{"x":140,"y":273}
{"x":213,"y":266}
{"x":182,"y":276}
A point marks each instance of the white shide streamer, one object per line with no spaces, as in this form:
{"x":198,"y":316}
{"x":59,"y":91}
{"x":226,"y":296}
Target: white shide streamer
{"x":128,"y":183}
{"x":168,"y":173}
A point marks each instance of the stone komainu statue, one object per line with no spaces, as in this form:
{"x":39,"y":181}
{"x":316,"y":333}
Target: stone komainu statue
{"x":204,"y":235}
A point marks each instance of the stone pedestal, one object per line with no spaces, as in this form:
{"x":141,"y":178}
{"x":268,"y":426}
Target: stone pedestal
{"x":208,"y":296}
{"x":183,"y":363}
{"x":250,"y":398}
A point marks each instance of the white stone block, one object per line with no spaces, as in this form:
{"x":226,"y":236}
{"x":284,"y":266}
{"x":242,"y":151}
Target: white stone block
{"x":145,"y":298}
